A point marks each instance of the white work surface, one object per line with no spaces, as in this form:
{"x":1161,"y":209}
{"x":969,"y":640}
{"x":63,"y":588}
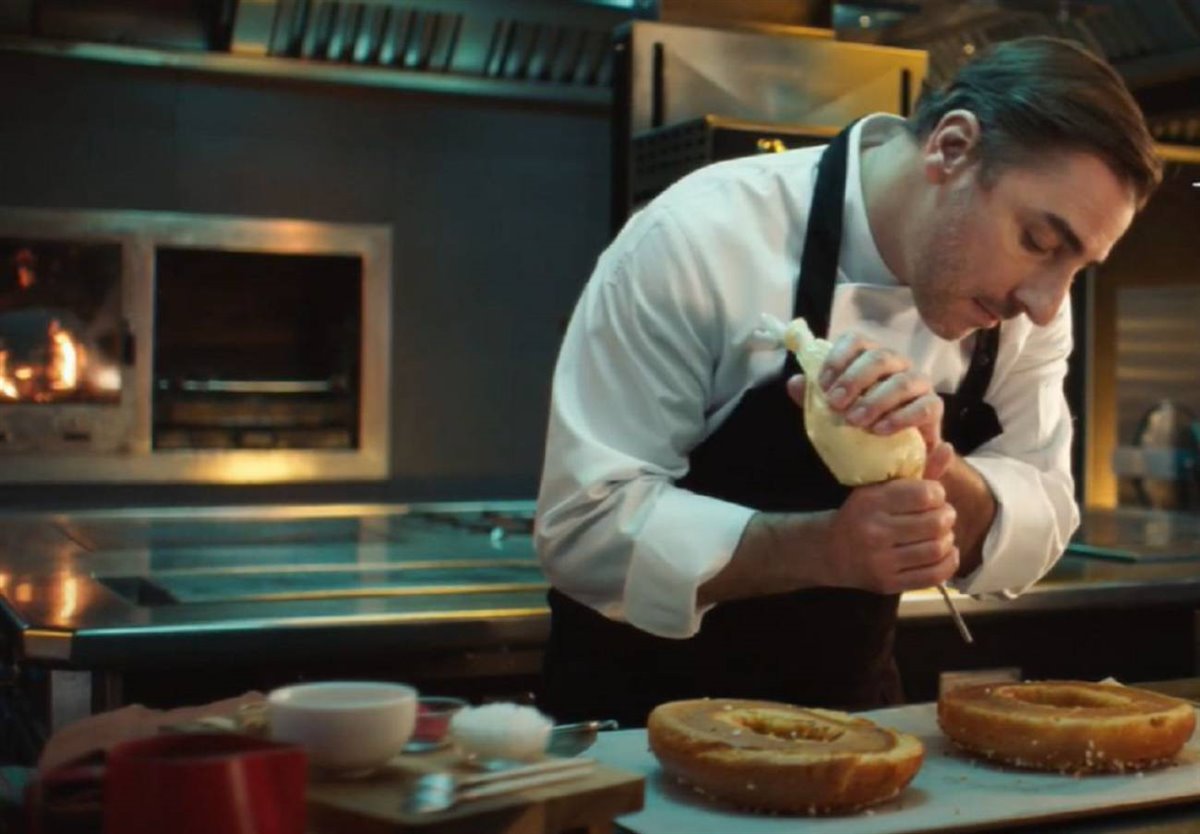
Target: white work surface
{"x":950,"y":792}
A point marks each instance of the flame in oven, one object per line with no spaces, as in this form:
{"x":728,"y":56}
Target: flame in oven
{"x":56,"y":372}
{"x":66,"y":355}
{"x":8,"y":387}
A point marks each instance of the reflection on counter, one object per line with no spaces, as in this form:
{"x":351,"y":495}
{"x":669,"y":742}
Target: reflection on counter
{"x":1137,"y":535}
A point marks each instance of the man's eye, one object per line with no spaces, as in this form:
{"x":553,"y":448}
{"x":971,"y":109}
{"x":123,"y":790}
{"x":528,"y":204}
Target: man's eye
{"x":1028,"y":241}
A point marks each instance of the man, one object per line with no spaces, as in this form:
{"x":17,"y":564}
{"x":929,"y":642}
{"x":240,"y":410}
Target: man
{"x":696,"y":543}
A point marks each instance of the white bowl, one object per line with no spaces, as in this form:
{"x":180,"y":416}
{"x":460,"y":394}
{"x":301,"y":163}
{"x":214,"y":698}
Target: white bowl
{"x":344,"y":725}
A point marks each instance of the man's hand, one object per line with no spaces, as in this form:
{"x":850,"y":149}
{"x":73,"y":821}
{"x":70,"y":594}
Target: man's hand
{"x":876,"y":389}
{"x":892,"y":537}
{"x":888,"y":538}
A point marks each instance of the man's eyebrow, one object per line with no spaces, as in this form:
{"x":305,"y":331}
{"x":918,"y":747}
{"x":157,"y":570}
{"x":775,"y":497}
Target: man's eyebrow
{"x":1067,"y":234}
{"x":1064,"y":231}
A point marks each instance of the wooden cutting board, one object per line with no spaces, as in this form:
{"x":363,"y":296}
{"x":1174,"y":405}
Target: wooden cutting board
{"x":373,"y":805}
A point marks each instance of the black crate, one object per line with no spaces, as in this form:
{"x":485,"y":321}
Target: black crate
{"x":665,"y":155}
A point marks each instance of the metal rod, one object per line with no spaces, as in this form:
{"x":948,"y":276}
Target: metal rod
{"x":258,"y":386}
{"x":959,"y":623}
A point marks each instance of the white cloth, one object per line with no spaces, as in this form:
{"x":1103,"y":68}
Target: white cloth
{"x":658,"y":353}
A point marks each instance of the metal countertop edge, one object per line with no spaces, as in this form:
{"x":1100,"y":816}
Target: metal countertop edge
{"x":102,"y":647}
{"x":92,"y":647}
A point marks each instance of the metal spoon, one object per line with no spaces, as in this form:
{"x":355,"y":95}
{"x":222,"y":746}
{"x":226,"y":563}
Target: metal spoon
{"x":441,"y":789}
{"x":572,"y":739}
{"x":565,"y":741}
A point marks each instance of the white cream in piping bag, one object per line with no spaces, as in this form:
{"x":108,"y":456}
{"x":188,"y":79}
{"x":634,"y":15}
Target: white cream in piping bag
{"x":856,"y":457}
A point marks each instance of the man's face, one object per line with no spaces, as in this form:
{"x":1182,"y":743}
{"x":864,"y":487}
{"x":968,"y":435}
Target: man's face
{"x":998,"y":249}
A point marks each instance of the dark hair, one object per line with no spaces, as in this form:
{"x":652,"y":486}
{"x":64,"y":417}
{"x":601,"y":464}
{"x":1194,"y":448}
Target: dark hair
{"x":1039,"y":94}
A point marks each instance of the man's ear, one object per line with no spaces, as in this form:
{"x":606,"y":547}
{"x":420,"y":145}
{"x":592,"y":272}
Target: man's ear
{"x":949,"y":148}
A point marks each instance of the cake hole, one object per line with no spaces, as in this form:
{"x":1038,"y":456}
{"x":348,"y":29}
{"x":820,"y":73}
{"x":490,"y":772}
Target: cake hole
{"x":790,"y":728}
{"x":1067,"y":697}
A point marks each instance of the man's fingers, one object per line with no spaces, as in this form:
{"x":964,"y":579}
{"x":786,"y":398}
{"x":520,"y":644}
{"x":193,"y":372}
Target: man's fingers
{"x":795,"y":389}
{"x":846,"y":348}
{"x":867,"y":368}
{"x":930,"y":573}
{"x":938,"y":460}
{"x":914,"y":528}
{"x":898,"y":409}
{"x":908,"y":495}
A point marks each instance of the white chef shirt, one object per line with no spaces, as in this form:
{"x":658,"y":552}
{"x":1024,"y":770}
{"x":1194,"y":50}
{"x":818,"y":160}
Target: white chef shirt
{"x":659,"y":352}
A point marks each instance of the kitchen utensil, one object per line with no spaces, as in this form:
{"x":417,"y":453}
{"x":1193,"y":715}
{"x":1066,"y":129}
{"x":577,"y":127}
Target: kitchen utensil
{"x":440,"y":789}
{"x":572,"y":739}
{"x":590,"y":801}
{"x":959,"y":622}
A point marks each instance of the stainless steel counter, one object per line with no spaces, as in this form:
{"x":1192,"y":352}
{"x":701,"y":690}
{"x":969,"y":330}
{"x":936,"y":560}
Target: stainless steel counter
{"x":118,"y":591}
{"x":105,"y":588}
{"x":115,"y":588}
{"x":95,"y":598}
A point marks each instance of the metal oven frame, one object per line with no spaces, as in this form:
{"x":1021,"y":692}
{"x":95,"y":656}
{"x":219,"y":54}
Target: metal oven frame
{"x":139,"y":233}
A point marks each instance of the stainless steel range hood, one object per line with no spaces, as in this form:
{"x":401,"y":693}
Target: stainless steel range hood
{"x":557,"y":50}
{"x":537,"y":42}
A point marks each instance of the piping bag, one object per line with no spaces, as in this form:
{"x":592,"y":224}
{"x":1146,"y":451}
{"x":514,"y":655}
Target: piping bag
{"x":856,"y":457}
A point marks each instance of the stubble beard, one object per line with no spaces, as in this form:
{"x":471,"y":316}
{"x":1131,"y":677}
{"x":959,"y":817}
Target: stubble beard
{"x":938,"y":285}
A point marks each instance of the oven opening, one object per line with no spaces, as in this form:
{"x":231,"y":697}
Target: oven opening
{"x":256,"y":350}
{"x":61,"y":328}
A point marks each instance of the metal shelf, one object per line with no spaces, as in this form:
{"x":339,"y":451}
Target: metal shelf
{"x":292,"y":69}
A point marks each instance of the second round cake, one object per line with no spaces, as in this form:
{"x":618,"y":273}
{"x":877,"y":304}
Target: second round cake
{"x":1069,"y":726}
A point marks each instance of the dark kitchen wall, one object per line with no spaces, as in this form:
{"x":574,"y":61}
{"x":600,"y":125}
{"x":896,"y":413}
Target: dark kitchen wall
{"x":498,"y":210}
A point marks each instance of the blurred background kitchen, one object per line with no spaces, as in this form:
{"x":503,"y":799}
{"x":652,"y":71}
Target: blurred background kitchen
{"x":282,"y":284}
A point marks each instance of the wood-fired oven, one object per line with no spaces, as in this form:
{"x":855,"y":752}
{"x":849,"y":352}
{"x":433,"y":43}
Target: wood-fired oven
{"x":152,"y":346}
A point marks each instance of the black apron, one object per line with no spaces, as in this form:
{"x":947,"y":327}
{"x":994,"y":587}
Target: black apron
{"x":827,"y":647}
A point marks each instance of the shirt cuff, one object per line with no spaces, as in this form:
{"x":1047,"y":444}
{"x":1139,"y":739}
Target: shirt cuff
{"x":687,"y":540}
{"x":1026,"y":536}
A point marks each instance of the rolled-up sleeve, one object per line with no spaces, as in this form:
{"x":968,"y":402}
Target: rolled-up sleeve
{"x":631,"y":391}
{"x":1028,"y":466}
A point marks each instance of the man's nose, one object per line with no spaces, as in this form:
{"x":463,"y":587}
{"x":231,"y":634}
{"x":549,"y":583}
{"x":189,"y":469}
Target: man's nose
{"x":1041,"y":296}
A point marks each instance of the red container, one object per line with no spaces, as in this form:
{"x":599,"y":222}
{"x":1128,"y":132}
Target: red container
{"x":196,"y":784}
{"x":205,"y":784}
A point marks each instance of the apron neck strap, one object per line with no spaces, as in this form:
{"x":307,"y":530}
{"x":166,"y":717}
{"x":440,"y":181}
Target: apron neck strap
{"x":823,"y":238}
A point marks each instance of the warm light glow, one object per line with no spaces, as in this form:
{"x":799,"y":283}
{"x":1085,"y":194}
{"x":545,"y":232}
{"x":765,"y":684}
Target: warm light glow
{"x":260,"y":469}
{"x":65,"y":360}
{"x":107,"y":378}
{"x":70,"y":597}
{"x":23,"y":592}
{"x":3,"y":581}
{"x":23,"y":372}
{"x":7,"y":387}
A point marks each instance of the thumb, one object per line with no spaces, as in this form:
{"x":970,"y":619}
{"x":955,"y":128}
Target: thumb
{"x":938,"y":461}
{"x":795,"y":389}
